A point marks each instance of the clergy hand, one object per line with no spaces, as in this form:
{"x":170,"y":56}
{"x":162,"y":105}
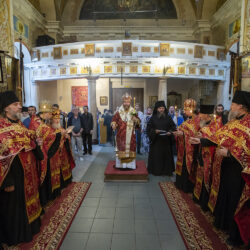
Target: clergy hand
{"x":178,"y":133}
{"x":135,"y":120}
{"x":91,"y":132}
{"x":39,"y":141}
{"x":157,"y":131}
{"x":194,"y":140}
{"x":9,"y":189}
{"x":199,"y":135}
{"x":222,"y":151}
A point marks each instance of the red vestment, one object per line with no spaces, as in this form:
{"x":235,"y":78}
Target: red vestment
{"x":17,"y":141}
{"x":235,"y":137}
{"x":204,"y":173}
{"x":62,"y":161}
{"x":190,"y":128}
{"x":48,"y":135}
{"x":125,"y":138}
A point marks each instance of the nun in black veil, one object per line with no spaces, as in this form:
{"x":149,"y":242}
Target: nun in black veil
{"x":159,"y":131}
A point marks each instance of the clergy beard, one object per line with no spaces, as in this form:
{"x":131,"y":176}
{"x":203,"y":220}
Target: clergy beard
{"x":56,"y":125}
{"x":161,"y":115}
{"x":126,"y":107}
{"x":233,"y":115}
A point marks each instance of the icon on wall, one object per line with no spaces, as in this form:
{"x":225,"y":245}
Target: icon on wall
{"x":89,"y":49}
{"x":57,"y":53}
{"x":103,"y":100}
{"x":127,"y":49}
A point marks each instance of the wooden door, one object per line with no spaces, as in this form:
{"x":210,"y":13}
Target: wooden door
{"x":138,"y":93}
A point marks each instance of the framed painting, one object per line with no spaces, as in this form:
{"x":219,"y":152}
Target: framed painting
{"x":164,"y":49}
{"x":126,"y":49}
{"x":103,"y":100}
{"x":90,"y":49}
{"x":221,"y":54}
{"x":198,"y":51}
{"x":79,"y":95}
{"x":152,"y":100}
{"x":57,"y":53}
{"x":245,"y":67}
{"x":35,"y":55}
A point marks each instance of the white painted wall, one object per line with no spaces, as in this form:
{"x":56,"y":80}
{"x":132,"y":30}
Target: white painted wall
{"x":47,"y":91}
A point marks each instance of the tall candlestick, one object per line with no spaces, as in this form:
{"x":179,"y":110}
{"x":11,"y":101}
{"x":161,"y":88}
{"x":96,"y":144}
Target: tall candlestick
{"x":176,"y":114}
{"x":134,"y":102}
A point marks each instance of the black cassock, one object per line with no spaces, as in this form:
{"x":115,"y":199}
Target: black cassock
{"x":231,"y":186}
{"x":160,"y":160}
{"x":14,"y":225}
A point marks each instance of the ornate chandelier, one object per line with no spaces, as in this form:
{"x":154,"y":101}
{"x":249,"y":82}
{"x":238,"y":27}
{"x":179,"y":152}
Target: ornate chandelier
{"x":130,"y":4}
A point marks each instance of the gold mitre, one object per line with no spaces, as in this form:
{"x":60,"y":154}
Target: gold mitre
{"x":127,"y":97}
{"x":45,"y":106}
{"x":56,"y":114}
{"x":190,"y":104}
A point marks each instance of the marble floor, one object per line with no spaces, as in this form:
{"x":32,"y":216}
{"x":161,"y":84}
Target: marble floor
{"x":120,"y":216}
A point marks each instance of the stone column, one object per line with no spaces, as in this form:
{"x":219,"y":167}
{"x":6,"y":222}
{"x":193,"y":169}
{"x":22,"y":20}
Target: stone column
{"x":92,"y":102}
{"x":35,"y":96}
{"x":163,"y":91}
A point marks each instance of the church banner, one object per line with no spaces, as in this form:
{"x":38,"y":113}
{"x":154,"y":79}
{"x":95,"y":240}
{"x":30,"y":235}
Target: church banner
{"x":79,"y":95}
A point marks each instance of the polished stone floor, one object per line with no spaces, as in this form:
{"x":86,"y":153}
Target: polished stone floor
{"x":121,"y":216}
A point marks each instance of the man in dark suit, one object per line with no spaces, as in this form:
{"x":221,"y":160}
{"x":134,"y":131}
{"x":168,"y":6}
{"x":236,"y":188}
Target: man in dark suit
{"x":88,"y":125}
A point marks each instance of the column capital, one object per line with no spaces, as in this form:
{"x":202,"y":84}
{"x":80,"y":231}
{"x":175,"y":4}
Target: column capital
{"x":92,"y":78}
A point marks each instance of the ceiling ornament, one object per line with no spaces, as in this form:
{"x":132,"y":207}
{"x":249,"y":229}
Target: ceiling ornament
{"x":130,"y":4}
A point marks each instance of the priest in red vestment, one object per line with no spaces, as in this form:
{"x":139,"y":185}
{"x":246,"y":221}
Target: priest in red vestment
{"x":187,"y":153}
{"x":63,"y":157}
{"x":209,"y":124}
{"x":125,"y":121}
{"x":230,"y":194}
{"x":20,"y":207}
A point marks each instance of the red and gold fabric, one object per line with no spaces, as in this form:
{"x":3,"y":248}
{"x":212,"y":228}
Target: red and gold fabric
{"x":62,"y":161}
{"x":235,"y":137}
{"x":31,"y":185}
{"x":14,"y":138}
{"x":55,"y":169}
{"x":242,"y":218}
{"x":204,"y":173}
{"x":17,"y":141}
{"x":125,"y":138}
{"x":47,"y":134}
{"x":190,"y":128}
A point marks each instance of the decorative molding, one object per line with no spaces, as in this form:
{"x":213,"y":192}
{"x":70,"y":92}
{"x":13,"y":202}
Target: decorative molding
{"x":231,"y":9}
{"x":149,"y":64}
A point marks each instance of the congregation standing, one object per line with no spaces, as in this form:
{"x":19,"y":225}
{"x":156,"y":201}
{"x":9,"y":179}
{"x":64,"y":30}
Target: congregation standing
{"x":38,"y":152}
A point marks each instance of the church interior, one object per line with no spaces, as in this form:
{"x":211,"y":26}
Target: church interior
{"x":99,"y":54}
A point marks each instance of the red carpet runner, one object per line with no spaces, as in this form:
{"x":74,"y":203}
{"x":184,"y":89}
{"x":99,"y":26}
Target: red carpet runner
{"x":194,"y":225}
{"x":58,"y":218}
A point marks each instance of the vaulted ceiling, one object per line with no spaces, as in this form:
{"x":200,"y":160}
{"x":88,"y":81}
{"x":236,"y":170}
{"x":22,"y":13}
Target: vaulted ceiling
{"x":69,"y":10}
